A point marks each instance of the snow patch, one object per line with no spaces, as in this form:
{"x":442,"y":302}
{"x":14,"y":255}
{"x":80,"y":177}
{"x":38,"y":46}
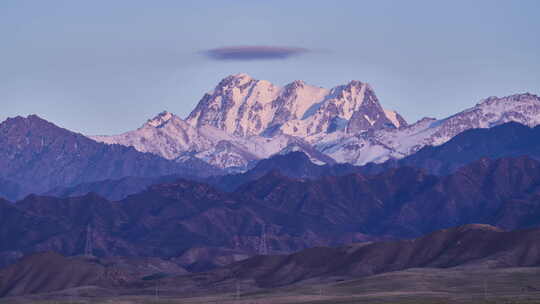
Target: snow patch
{"x":392,"y":116}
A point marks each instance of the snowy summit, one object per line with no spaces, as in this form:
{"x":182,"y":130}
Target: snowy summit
{"x":244,"y":119}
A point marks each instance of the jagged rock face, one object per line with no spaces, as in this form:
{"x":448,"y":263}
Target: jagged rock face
{"x":370,"y":116}
{"x":353,"y":107}
{"x":295,"y":100}
{"x":239,"y":105}
{"x":244,"y":120}
{"x":243,"y":106}
{"x":171,"y":137}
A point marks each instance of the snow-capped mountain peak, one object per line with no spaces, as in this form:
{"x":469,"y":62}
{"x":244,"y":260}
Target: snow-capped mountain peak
{"x":239,"y":105}
{"x":166,"y":135}
{"x":397,"y":143}
{"x":244,"y":119}
{"x":244,"y":106}
{"x":353,"y":107}
{"x":350,"y":97}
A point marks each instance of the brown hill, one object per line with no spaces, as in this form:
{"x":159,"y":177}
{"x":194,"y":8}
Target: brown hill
{"x":462,"y":248}
{"x":466,"y":246}
{"x":49,"y":271}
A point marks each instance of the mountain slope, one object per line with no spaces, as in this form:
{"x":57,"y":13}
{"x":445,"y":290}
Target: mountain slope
{"x":294,"y":165}
{"x":381,"y":145}
{"x":244,"y":106}
{"x":407,"y":202}
{"x":443,"y":259}
{"x":49,"y":271}
{"x":244,"y":120}
{"x":112,"y":189}
{"x":38,"y":156}
{"x":470,"y":245}
{"x":507,"y":140}
{"x":171,"y":137}
{"x":167,"y":220}
{"x":166,"y":135}
{"x":150,"y":223}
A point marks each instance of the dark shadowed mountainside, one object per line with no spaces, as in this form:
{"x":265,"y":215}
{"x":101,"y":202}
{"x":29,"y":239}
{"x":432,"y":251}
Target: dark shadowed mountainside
{"x":112,"y":189}
{"x":507,"y":140}
{"x":36,"y":155}
{"x":167,"y":220}
{"x":10,"y":189}
{"x":294,"y":164}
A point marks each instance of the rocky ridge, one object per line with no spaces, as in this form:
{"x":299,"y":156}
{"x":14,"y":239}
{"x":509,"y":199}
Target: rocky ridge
{"x":386,"y":144}
{"x":167,"y":220}
{"x":244,"y":120}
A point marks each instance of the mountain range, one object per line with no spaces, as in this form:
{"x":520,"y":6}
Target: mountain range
{"x":244,"y":120}
{"x":262,"y":169}
{"x":36,"y":156}
{"x":461,"y":251}
{"x":465,"y":246}
{"x":168,"y":220}
{"x":506,"y":140}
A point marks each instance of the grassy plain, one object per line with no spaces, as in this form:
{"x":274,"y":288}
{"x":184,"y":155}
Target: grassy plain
{"x":413,"y":286}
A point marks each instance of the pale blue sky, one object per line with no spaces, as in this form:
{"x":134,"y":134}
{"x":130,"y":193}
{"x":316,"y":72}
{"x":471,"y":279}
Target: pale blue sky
{"x":104,"y":67}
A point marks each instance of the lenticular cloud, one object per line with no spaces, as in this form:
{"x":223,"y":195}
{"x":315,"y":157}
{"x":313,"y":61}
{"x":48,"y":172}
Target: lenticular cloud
{"x":253,"y":52}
